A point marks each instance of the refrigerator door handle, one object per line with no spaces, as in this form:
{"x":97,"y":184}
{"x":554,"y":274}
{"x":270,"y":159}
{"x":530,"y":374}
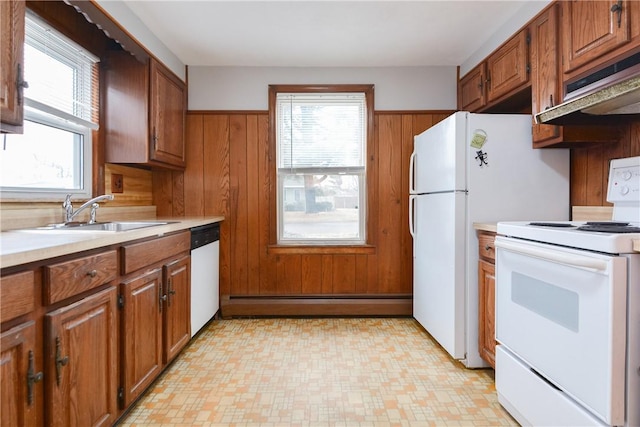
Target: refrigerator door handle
{"x":412,"y":189}
{"x":412,"y":230}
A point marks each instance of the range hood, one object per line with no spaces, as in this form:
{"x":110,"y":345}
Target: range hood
{"x":612,"y":90}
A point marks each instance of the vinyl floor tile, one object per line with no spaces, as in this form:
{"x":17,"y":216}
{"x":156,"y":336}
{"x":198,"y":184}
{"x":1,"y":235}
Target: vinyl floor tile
{"x":325,"y":372}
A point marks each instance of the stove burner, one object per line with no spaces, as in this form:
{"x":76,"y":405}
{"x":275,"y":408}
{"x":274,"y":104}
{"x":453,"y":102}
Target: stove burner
{"x":609,"y":228}
{"x":552,"y":224}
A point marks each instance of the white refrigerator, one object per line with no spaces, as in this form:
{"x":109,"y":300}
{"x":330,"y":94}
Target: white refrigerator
{"x":472,"y":168}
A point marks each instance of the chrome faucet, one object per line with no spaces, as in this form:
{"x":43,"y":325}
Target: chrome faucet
{"x":69,"y":213}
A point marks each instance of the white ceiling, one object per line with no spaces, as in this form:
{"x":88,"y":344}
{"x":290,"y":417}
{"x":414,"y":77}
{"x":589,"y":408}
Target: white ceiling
{"x":327,"y":33}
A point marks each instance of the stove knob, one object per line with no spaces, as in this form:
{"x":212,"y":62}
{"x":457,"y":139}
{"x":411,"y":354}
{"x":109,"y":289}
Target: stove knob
{"x":624,"y":190}
{"x":626,"y":175}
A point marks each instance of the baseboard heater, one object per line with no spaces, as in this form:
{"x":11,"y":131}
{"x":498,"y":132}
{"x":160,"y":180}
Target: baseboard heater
{"x":316,"y":305}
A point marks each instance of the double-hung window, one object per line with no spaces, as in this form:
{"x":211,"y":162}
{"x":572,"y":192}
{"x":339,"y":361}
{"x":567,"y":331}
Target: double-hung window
{"x":53,"y":155}
{"x":321,"y":151}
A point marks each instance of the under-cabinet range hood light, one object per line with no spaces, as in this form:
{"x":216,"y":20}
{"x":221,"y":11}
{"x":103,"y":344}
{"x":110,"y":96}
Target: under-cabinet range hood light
{"x":622,"y":96}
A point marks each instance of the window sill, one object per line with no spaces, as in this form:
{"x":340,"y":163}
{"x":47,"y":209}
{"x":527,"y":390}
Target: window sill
{"x":321,"y":250}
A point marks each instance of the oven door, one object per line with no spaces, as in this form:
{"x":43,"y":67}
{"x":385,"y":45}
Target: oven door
{"x":563,"y":312}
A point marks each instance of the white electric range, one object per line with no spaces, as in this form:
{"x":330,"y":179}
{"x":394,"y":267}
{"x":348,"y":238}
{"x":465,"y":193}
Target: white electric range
{"x":568,"y":314}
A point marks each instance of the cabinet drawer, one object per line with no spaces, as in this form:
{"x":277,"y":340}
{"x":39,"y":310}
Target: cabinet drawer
{"x":17,"y":293}
{"x":486,"y":248}
{"x":70,"y":278}
{"x":139,"y":255}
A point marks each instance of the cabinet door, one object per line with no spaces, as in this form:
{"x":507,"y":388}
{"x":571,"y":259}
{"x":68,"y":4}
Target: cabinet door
{"x":19,"y":376}
{"x":508,"y":67}
{"x":167,"y":116}
{"x":141,"y":332}
{"x":545,"y":70}
{"x":81,"y":362}
{"x":471,"y":90}
{"x":592,"y":29}
{"x":11,"y":64}
{"x":487,"y":312}
{"x":177,"y":325}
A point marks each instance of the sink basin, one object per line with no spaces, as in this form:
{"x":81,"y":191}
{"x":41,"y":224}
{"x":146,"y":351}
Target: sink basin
{"x":114,"y":226}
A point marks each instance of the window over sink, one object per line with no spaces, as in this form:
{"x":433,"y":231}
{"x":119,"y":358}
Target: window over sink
{"x":53,"y":156}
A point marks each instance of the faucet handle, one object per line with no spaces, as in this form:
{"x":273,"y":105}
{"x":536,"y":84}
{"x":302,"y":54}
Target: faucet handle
{"x":68,"y":208}
{"x":92,"y":213}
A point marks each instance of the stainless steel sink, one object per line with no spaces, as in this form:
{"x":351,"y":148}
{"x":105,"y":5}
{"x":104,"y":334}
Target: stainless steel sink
{"x":114,"y":226}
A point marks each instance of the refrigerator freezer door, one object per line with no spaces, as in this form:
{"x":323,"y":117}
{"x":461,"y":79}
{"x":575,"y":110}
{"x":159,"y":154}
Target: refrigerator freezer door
{"x":438,"y":161}
{"x":439,"y":268}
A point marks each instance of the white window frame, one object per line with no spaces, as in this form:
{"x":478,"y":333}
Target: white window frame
{"x":44,"y":114}
{"x":83,"y":180}
{"x":360,"y":172}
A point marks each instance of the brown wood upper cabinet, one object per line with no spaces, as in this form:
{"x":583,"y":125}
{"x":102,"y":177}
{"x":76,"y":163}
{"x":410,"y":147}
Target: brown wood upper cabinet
{"x":471,"y":89}
{"x":11,"y":65}
{"x":546,"y":86}
{"x":591,"y":29}
{"x":145,"y":108}
{"x":503,"y":73}
{"x":508,"y":66}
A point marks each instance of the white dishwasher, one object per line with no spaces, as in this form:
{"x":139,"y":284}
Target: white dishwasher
{"x":205,"y":285}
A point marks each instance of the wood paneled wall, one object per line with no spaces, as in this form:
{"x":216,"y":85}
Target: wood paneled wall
{"x":590,"y":165}
{"x":228,"y":174}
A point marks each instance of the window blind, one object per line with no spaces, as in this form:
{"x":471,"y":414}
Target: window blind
{"x":321,"y":131}
{"x":62,"y":76}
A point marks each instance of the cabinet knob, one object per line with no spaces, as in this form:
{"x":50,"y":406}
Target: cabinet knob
{"x":487,"y":247}
{"x":92,"y":273}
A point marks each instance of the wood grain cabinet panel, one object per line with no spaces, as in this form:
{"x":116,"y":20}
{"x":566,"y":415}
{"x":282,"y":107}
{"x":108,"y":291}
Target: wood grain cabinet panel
{"x":12,"y":15}
{"x":81,"y":362}
{"x":145,"y":111}
{"x":508,"y":66}
{"x":177,"y":317}
{"x":486,"y":297}
{"x":138,"y":255}
{"x":546,"y":87}
{"x":17,"y":295}
{"x":487,"y":310}
{"x":141,"y":333}
{"x":592,"y":29}
{"x":471,"y":89}
{"x":21,"y":374}
{"x":69,"y":278}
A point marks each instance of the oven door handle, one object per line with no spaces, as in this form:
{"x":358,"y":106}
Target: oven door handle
{"x":554,"y":256}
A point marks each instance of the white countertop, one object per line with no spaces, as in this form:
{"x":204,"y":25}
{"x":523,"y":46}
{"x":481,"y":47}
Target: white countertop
{"x":21,"y":246}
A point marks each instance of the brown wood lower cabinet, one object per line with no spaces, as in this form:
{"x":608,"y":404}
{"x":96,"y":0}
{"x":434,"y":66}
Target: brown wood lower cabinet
{"x":85,"y":335}
{"x":18,"y":376}
{"x":155,"y":310}
{"x":487,"y":298}
{"x":81,"y":362}
{"x":177,"y":311}
{"x":141,"y":325}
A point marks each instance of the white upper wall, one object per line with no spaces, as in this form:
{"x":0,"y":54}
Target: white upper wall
{"x":246,"y":88}
{"x":134,"y":26}
{"x":396,"y":88}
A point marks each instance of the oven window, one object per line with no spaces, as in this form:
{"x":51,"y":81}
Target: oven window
{"x":559,"y":305}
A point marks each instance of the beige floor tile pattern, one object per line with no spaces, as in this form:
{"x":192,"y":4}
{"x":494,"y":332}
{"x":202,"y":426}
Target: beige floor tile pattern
{"x":318,"y":372}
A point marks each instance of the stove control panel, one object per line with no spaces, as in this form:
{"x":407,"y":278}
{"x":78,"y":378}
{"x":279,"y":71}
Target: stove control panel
{"x":624,"y":181}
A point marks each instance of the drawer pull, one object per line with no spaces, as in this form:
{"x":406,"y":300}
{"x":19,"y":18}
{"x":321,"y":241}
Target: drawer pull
{"x":32,"y":378}
{"x":60,"y":361}
{"x":487,"y":247}
{"x":92,"y":273}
